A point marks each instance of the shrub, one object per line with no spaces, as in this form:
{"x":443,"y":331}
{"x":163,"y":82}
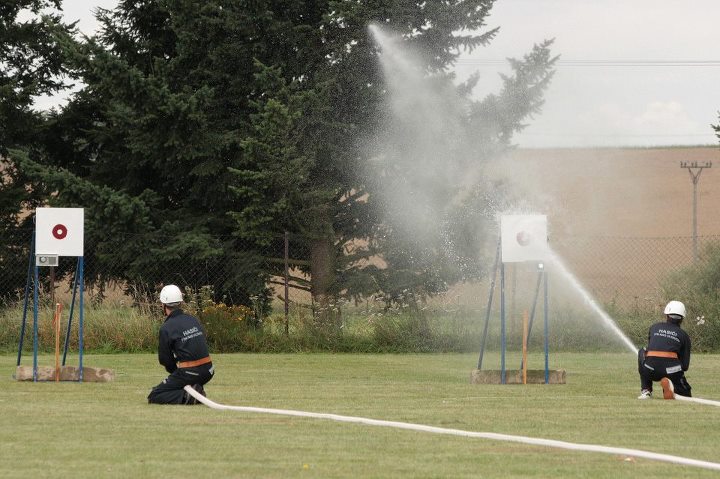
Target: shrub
{"x":402,"y":332}
{"x":698,"y":286}
{"x":227,"y":326}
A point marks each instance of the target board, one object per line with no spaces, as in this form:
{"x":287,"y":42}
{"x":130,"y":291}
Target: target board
{"x":59,"y":231}
{"x":523,"y":238}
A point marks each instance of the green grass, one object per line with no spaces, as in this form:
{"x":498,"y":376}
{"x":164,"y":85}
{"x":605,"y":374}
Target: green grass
{"x":108,"y":430}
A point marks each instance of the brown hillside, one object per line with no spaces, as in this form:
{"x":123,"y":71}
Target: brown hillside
{"x":617,"y":192}
{"x":621,"y":219}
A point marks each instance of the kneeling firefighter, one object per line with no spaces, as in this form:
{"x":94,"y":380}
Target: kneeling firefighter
{"x":182,"y":350}
{"x":667,"y":355}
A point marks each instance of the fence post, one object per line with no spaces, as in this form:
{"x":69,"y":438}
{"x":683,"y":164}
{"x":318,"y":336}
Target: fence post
{"x":287,"y":300}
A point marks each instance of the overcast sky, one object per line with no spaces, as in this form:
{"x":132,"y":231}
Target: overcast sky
{"x":631,"y":72}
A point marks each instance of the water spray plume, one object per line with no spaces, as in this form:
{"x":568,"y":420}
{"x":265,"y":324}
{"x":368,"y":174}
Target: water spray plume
{"x":418,"y":153}
{"x":590,"y":301}
{"x":433,"y":165}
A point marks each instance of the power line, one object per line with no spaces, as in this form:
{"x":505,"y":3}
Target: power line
{"x":603,"y":63}
{"x":618,"y":135}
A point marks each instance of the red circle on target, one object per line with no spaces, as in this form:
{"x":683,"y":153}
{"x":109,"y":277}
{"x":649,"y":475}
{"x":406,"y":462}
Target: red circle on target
{"x":523,"y":238}
{"x":59,"y":231}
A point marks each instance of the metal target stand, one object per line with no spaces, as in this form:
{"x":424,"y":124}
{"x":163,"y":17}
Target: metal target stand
{"x":521,"y":376}
{"x":36,"y":260}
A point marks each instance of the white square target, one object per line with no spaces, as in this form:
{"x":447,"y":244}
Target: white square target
{"x":59,"y":231}
{"x":524,"y":238}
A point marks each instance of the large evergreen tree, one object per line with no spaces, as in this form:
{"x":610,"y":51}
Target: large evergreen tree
{"x":324,"y":116}
{"x":237,"y":121}
{"x":30,"y":66}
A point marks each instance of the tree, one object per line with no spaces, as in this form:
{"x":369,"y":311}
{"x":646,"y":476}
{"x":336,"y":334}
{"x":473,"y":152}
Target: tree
{"x":332,"y":107}
{"x":149,"y":125}
{"x":237,"y":121}
{"x":30,"y":65}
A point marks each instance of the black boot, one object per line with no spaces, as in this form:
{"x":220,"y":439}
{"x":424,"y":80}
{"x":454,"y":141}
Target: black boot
{"x":188,"y":399}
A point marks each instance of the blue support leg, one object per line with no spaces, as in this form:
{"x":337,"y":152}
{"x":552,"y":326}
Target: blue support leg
{"x":35,"y":325}
{"x":489,"y":305}
{"x":81,"y":318}
{"x":72,"y":308}
{"x":547,"y":366}
{"x":502,"y":323}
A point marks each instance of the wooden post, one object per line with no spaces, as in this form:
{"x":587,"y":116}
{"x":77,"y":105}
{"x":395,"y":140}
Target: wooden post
{"x":524,"y":346}
{"x":56,"y":326}
{"x":52,"y":284}
{"x":286,"y":281}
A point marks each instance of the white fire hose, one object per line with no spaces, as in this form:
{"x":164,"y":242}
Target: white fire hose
{"x":458,"y":432}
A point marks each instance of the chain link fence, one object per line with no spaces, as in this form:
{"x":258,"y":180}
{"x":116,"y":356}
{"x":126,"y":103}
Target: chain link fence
{"x":629,"y":272}
{"x":629,"y":279}
{"x":625,"y":273}
{"x":622,"y":273}
{"x":275,"y":268}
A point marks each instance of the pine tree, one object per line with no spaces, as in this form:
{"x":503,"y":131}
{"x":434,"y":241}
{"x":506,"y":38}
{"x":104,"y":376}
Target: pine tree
{"x":238,"y":121}
{"x":30,"y":66}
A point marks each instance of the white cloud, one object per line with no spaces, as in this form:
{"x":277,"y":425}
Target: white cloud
{"x":83,"y":11}
{"x":666,"y":117}
{"x":615,"y":123}
{"x":658,"y":122}
{"x":604,"y":92}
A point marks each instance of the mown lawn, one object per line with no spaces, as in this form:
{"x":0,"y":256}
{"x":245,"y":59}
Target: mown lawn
{"x":108,"y":430}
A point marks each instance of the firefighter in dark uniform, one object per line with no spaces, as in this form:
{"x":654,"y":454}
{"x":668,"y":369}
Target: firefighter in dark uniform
{"x":183,"y":351}
{"x":667,"y":355}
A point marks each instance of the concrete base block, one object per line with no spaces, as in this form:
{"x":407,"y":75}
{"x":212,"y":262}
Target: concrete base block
{"x":67,"y":373}
{"x":514,"y":376}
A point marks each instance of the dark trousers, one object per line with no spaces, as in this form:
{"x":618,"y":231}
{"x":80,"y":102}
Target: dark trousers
{"x":171,"y":391}
{"x":654,"y":369}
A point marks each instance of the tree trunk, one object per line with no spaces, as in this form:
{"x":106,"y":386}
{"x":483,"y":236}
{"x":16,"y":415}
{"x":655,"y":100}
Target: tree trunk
{"x":322,"y":271}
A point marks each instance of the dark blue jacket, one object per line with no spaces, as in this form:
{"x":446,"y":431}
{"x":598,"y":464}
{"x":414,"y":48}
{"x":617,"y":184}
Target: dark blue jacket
{"x":182,"y":338}
{"x":670,"y":337}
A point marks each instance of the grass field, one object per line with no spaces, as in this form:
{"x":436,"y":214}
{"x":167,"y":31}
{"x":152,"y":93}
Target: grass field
{"x":108,"y":430}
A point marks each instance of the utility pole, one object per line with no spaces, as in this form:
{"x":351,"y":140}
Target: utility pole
{"x":695,"y":170}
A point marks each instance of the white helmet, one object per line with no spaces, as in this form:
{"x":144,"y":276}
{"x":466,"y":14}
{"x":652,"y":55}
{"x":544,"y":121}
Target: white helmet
{"x":675,"y":307}
{"x":171,"y":294}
